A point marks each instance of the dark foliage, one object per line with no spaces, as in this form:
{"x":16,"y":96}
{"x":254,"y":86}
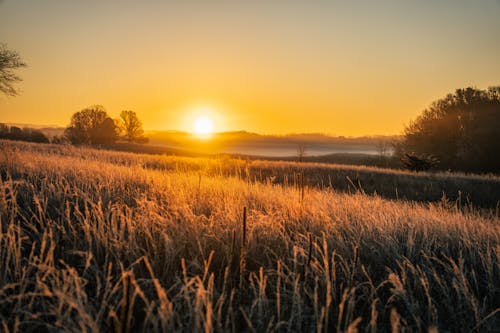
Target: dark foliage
{"x":22,"y":134}
{"x":92,"y":126}
{"x":460,"y":129}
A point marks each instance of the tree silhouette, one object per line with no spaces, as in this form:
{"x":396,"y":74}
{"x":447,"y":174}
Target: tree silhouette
{"x":461,"y":130}
{"x":92,"y":126}
{"x":9,"y":62}
{"x":131,"y":126}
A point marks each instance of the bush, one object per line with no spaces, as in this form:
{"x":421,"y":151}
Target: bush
{"x":419,"y":163}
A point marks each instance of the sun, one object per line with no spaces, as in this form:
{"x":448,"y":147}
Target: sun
{"x":203,"y":126}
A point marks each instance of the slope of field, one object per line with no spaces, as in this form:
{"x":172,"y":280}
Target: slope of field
{"x":102,"y":241}
{"x":479,"y":190}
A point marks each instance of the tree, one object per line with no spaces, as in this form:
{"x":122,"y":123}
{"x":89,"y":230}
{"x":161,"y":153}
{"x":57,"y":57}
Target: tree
{"x":461,"y":130}
{"x":9,"y":62}
{"x":24,"y":134}
{"x":131,"y":127}
{"x":92,"y":126}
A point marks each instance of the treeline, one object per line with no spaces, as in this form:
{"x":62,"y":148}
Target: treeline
{"x":460,"y":132}
{"x":90,"y":126}
{"x":22,"y":134}
{"x":94,"y":126}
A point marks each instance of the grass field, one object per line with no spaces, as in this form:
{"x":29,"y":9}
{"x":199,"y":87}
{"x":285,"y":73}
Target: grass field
{"x":100,"y":241}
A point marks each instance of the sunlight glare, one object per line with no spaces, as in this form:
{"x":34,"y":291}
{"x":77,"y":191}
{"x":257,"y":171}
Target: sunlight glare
{"x":203,"y":126}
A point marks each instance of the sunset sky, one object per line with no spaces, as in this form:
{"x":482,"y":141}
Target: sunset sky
{"x":267,"y":66}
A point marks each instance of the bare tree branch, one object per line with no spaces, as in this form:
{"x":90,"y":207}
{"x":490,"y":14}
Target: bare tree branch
{"x":9,"y":62}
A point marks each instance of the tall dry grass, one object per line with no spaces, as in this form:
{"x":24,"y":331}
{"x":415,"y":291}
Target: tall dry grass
{"x":95,"y":241}
{"x":477,"y":190}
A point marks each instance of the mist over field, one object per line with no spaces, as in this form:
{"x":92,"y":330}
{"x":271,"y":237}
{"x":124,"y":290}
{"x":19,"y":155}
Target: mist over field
{"x":245,"y":143}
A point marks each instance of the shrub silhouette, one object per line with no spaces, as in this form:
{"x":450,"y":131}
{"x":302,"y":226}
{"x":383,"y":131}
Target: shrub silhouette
{"x":418,"y":163}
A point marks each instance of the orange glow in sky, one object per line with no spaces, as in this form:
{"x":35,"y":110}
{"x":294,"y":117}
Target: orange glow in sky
{"x":273,"y":67}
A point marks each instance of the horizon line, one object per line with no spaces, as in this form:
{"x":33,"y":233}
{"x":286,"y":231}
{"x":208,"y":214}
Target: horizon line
{"x":292,"y":133}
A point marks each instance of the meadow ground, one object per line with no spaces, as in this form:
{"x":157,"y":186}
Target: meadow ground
{"x":95,"y":241}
